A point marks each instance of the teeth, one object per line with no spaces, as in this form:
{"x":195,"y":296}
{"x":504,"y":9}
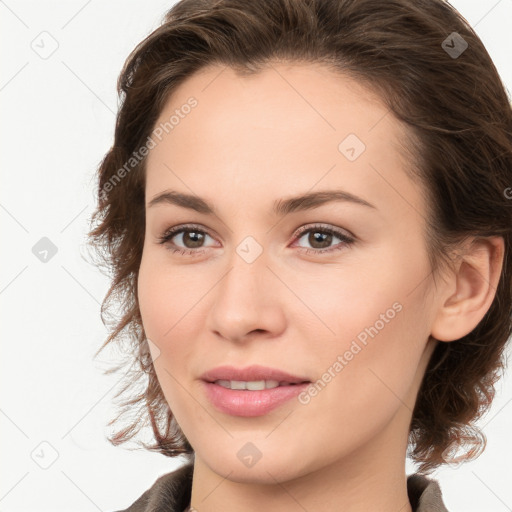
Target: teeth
{"x":252,"y":385}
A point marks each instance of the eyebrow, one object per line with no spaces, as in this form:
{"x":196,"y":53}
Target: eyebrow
{"x":281,"y":207}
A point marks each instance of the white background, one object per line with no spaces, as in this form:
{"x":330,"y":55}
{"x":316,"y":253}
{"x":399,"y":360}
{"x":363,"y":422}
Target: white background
{"x":58,"y":118}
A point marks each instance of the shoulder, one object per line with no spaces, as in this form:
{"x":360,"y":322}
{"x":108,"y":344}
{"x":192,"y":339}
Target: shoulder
{"x":170,"y":492}
{"x":425,"y":494}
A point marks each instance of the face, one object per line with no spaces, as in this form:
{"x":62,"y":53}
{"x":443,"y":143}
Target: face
{"x":337,"y":292}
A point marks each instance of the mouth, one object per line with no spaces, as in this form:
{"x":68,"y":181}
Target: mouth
{"x":254,"y":385}
{"x":251,"y":391}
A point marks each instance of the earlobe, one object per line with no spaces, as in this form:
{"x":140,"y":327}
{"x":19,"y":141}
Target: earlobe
{"x":475,"y":279}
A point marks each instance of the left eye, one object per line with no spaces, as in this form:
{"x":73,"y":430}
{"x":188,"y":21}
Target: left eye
{"x":317,"y":235}
{"x":323,"y":236}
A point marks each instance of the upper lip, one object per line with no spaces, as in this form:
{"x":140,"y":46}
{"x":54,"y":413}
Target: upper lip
{"x":250,"y":373}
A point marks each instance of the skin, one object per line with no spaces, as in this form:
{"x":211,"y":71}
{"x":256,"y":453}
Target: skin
{"x":249,"y":142}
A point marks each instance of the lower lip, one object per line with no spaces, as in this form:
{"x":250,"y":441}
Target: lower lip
{"x":250,"y":403}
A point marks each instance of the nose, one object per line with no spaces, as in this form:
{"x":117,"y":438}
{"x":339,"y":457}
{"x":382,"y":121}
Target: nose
{"x":247,"y":302}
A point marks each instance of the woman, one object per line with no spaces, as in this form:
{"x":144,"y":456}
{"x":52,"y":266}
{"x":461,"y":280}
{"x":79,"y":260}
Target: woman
{"x":307,"y":212}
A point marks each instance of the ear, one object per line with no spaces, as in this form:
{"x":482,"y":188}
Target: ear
{"x":470,"y":290}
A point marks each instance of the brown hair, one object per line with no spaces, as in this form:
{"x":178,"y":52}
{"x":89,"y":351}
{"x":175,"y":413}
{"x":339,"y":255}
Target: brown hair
{"x":459,"y":122}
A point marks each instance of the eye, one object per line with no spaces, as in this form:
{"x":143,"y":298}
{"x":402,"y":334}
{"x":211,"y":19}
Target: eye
{"x":191,"y":235}
{"x":323,"y":236}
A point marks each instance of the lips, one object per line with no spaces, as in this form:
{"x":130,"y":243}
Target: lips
{"x":251,"y":373}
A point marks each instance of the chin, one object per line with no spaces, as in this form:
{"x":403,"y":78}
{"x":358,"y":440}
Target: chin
{"x":267,"y":470}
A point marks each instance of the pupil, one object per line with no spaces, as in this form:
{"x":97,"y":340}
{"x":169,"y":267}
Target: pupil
{"x":197,"y":236}
{"x":316,"y":236}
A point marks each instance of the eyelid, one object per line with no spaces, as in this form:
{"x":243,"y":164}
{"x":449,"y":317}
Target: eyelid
{"x":326,"y":227}
{"x":184,"y":227}
{"x":179,"y":228}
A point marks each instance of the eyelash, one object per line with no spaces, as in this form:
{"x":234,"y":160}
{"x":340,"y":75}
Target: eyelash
{"x":172,"y":232}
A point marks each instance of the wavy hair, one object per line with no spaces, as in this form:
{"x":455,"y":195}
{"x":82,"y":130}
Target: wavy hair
{"x":459,"y":122}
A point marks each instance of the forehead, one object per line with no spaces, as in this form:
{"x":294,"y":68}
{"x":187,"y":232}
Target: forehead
{"x":287,"y":128}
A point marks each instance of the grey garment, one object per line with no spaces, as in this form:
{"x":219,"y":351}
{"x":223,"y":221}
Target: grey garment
{"x":425,"y":494}
{"x":171,"y":493}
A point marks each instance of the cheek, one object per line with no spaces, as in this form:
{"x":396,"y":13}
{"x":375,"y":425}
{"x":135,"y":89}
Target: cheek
{"x":171,"y":308}
{"x":158,"y":309}
{"x":162,"y":293}
{"x":163,"y":310}
{"x":365,"y":374}
{"x":151,"y":297}
{"x":375,"y":314}
{"x":345,"y":303}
